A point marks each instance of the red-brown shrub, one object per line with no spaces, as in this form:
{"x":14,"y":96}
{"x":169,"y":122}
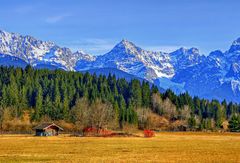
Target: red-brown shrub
{"x":104,"y":132}
{"x":91,"y":131}
{"x":148,"y":133}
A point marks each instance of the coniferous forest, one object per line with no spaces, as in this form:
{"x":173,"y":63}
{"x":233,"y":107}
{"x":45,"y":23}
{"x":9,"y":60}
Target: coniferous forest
{"x":78,"y":100}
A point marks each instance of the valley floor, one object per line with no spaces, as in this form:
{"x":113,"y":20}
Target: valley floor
{"x":165,"y":147}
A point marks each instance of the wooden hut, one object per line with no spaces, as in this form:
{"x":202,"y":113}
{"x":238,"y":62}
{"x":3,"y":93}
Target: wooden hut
{"x":47,"y":129}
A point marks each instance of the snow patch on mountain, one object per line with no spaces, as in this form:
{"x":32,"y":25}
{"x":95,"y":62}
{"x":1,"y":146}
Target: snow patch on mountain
{"x":34,"y":51}
{"x":128,"y":57}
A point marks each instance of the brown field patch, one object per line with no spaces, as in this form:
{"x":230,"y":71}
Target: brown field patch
{"x":165,"y":147}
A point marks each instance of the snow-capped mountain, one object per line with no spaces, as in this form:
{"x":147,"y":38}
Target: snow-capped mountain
{"x":183,"y":58}
{"x":129,"y":58}
{"x":216,"y":75}
{"x":38,"y":53}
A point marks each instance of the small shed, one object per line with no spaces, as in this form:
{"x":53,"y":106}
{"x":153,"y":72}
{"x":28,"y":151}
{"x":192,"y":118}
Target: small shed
{"x":47,"y":129}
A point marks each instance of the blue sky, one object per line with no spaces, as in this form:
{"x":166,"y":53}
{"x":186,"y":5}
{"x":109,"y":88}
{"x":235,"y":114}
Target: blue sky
{"x":97,"y":25}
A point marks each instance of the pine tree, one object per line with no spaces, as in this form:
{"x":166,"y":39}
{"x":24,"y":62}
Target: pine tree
{"x":146,"y":94}
{"x":122,"y":110}
{"x":48,"y":106}
{"x":234,"y":123}
{"x":117,"y":112}
{"x":136,"y":93}
{"x":23,"y":102}
{"x":5,"y":98}
{"x":65,"y":105}
{"x":39,"y":102}
{"x":219,"y":117}
{"x":57,"y":102}
{"x":192,"y":122}
{"x":132,"y":115}
{"x":13,"y":91}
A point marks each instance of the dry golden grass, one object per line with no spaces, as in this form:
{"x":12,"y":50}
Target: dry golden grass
{"x":165,"y":147}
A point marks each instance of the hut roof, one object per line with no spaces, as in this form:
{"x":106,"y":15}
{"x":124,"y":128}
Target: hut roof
{"x":43,"y":126}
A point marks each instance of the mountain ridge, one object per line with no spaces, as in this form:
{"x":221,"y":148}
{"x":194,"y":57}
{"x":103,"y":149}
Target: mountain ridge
{"x":214,"y":76}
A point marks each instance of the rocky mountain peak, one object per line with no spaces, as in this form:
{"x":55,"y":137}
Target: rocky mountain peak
{"x":81,"y":55}
{"x":184,"y":51}
{"x":127,"y":47}
{"x":235,"y":46}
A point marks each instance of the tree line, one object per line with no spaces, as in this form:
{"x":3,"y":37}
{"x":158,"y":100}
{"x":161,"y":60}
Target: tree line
{"x":83,"y":100}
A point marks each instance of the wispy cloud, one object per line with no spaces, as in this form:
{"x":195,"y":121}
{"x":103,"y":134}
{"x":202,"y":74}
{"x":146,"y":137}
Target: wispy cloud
{"x":93,"y":46}
{"x":56,"y":18}
{"x":24,"y":9}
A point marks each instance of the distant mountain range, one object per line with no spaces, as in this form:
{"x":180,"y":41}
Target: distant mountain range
{"x":214,"y":76}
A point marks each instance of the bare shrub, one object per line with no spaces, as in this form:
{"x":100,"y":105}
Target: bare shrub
{"x":98,"y":114}
{"x":185,"y":113}
{"x":143,"y":117}
{"x":163,"y":107}
{"x":101,"y":114}
{"x":130,"y":128}
{"x":80,"y":113}
{"x":157,"y":122}
{"x":68,"y":127}
{"x":169,"y":109}
{"x":157,"y":103}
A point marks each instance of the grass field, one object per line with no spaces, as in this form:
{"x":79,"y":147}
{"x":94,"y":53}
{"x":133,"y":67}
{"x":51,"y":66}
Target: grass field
{"x":165,"y":147}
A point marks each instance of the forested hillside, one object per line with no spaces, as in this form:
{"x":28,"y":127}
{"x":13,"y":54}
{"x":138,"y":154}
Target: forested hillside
{"x":77,"y":100}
